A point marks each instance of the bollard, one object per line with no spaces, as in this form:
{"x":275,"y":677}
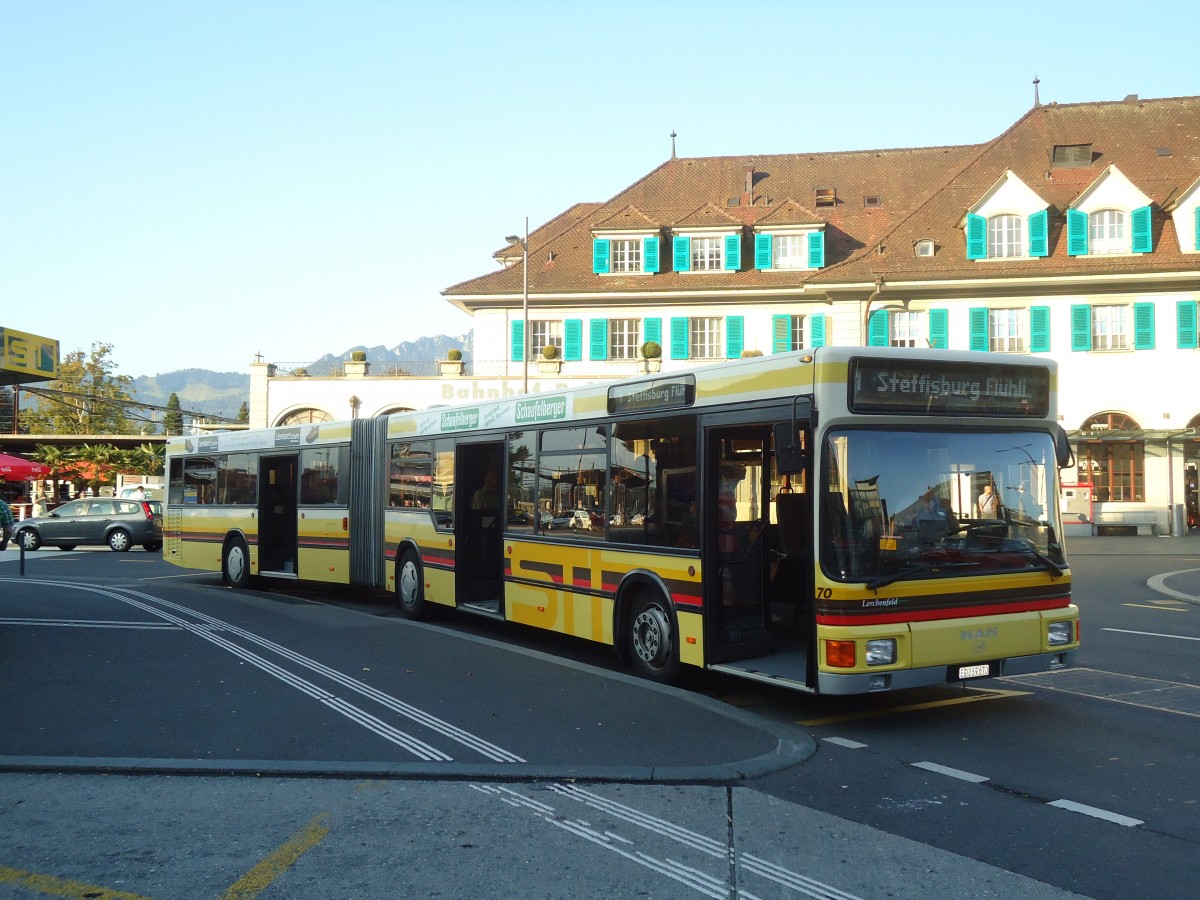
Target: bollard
{"x":21,"y":568}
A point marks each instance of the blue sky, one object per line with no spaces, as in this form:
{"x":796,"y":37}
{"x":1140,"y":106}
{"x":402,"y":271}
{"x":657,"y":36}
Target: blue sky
{"x":196,"y":183}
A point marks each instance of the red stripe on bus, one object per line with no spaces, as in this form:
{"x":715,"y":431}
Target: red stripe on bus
{"x":957,"y":612}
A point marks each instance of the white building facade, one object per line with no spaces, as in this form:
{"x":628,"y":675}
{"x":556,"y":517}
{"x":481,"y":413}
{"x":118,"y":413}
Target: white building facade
{"x":1074,"y":235}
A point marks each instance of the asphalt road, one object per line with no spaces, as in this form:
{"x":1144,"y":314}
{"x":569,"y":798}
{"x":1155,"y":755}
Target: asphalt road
{"x":331,"y":748}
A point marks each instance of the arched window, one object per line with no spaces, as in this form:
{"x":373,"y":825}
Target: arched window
{"x":1194,"y":422}
{"x":1111,"y":421}
{"x":1106,"y":232}
{"x":1006,"y":236}
{"x":1114,"y":466}
{"x":387,"y":411}
{"x":305,"y":417}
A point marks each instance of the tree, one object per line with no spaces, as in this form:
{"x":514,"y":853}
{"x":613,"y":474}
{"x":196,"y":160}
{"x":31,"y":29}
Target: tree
{"x":88,"y":397}
{"x":243,"y":416}
{"x":173,"y":417}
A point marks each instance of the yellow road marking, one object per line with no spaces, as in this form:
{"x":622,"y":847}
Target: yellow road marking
{"x":61,"y":887}
{"x":1157,"y":606}
{"x":917,"y":707}
{"x":260,"y":877}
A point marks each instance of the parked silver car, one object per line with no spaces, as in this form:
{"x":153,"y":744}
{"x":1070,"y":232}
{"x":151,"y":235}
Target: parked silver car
{"x":95,"y":521}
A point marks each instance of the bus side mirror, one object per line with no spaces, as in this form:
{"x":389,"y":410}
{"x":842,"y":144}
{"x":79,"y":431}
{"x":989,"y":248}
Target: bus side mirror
{"x":1063,"y":454}
{"x":789,"y":453}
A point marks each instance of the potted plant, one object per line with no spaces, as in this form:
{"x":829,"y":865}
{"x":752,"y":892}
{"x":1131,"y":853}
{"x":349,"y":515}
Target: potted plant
{"x":356,"y":366}
{"x":549,"y":361}
{"x":651,"y":357}
{"x":453,"y":363}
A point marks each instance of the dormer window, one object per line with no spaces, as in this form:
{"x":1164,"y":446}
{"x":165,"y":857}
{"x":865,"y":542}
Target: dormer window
{"x":1071,"y":156}
{"x":1006,"y":237}
{"x":1010,"y":221}
{"x":625,"y":255}
{"x":789,"y":250}
{"x":706,"y":252}
{"x":924,"y":248}
{"x":1106,"y":232}
{"x":826,"y":197}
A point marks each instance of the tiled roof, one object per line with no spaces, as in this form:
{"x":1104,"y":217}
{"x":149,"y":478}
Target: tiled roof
{"x":922,"y":194}
{"x":1125,"y":134}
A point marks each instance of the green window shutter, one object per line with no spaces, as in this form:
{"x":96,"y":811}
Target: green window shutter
{"x":650,"y":254}
{"x":573,"y":340}
{"x":1039,"y":244}
{"x":735,"y":336}
{"x":1185,"y":323}
{"x":598,"y":339}
{"x":763,"y":251}
{"x":682,"y":253}
{"x":1039,"y":329}
{"x":679,"y":337}
{"x":781,"y":334}
{"x":977,"y":318}
{"x":877,"y":329}
{"x":1143,"y":326}
{"x":733,"y":251}
{"x":816,"y":250}
{"x":1081,"y":327}
{"x":1143,"y":237}
{"x":600,"y":248}
{"x":976,"y":237}
{"x":652,"y":331}
{"x":1077,"y":238}
{"x":817,"y":332}
{"x":518,"y":341}
{"x":939,"y":328}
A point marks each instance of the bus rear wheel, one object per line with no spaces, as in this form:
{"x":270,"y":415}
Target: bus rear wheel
{"x":653,"y":645}
{"x":410,"y":586}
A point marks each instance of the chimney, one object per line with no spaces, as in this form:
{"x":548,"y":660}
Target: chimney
{"x":749,"y":194}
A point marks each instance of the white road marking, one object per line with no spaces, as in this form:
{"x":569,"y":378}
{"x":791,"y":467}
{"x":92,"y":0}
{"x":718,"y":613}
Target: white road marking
{"x":1175,"y":637}
{"x":953,"y":773}
{"x":209,"y":625}
{"x":1119,"y":819}
{"x":844,"y":742}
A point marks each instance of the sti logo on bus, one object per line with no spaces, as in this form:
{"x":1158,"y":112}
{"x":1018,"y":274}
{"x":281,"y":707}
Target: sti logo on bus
{"x":458,"y":419}
{"x":541,"y":409}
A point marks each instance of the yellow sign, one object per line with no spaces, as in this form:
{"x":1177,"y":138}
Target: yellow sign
{"x":28,"y":355}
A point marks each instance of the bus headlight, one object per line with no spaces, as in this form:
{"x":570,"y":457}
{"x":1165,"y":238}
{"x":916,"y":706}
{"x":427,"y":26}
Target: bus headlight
{"x":881,"y":652}
{"x":1059,"y":633}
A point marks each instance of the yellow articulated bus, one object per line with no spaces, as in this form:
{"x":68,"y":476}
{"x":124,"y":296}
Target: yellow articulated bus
{"x":842,"y":520}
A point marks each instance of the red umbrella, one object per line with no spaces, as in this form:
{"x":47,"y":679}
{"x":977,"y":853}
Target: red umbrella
{"x":13,"y":468}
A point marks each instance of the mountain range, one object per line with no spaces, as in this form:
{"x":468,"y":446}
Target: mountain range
{"x":222,"y":394}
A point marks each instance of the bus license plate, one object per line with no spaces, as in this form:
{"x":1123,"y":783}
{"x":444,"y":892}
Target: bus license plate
{"x":980,"y":671}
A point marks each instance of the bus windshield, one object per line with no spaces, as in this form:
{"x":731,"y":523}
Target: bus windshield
{"x":902,"y":504}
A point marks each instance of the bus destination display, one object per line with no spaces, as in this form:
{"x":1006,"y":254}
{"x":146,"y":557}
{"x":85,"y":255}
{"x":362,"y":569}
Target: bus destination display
{"x":663,"y":393}
{"x":927,"y":387}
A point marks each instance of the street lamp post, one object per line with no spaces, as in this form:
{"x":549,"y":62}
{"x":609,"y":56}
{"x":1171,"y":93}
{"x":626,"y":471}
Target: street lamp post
{"x":513,"y":240}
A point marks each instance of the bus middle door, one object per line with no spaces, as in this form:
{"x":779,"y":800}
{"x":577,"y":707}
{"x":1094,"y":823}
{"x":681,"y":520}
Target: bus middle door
{"x":277,"y":510}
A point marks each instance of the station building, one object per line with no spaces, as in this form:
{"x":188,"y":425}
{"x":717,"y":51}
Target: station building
{"x":1074,"y":234}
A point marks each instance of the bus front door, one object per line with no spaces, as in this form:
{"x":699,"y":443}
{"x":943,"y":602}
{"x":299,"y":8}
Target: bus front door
{"x":736,"y":498}
{"x":277,"y":511}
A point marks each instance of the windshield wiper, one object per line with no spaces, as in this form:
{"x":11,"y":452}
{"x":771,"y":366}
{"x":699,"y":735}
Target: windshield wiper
{"x":916,"y":568}
{"x":1046,"y":562}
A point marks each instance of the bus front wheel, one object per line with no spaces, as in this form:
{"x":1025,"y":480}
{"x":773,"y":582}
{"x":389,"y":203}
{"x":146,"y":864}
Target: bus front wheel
{"x":410,"y":588}
{"x":235,"y":564}
{"x":653,"y":646}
